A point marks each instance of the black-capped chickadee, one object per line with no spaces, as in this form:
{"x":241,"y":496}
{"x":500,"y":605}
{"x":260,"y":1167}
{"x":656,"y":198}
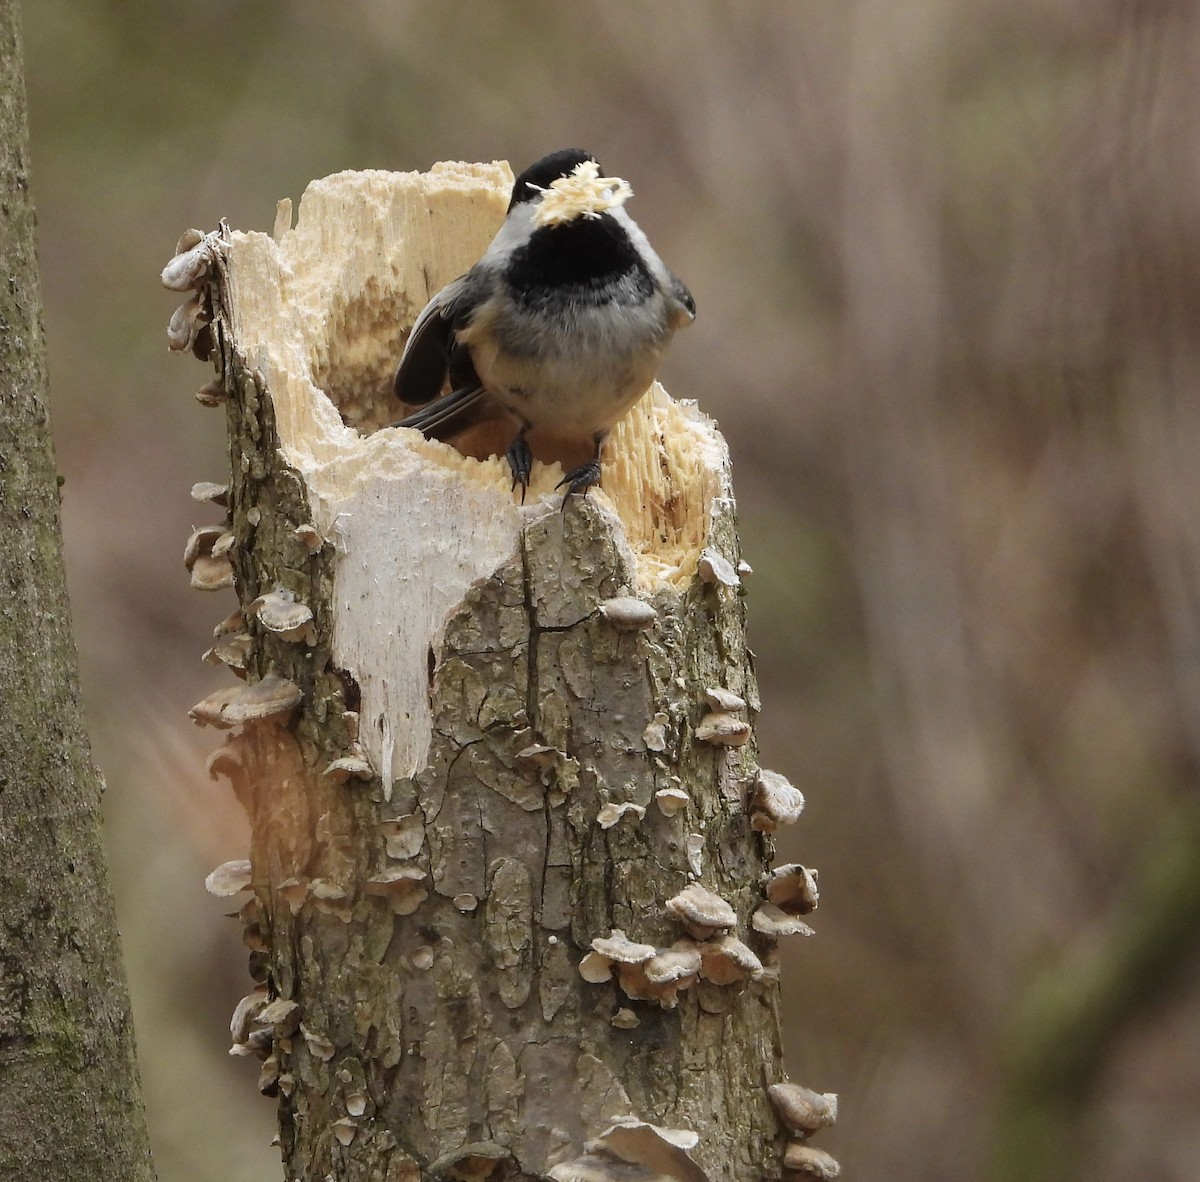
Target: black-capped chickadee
{"x":559,"y":329}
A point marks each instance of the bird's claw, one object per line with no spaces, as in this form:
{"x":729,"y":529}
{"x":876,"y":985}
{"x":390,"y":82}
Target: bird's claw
{"x":520,"y":462}
{"x":580,"y":479}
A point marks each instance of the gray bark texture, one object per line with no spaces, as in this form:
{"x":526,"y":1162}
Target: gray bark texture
{"x":486,"y":966}
{"x":69,"y":1089}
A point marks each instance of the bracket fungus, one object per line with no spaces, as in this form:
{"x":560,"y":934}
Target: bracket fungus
{"x":610,"y":814}
{"x":229,"y":878}
{"x":309,"y":536}
{"x":252,"y":937}
{"x":628,"y":614}
{"x":195,"y":254}
{"x":212,"y":395}
{"x":294,"y":892}
{"x":268,"y":1076}
{"x":602,"y":1167}
{"x":636,"y":984}
{"x":234,"y":622}
{"x":243,"y":1016}
{"x":280,"y":612}
{"x":231,"y":649}
{"x":807,"y":1159}
{"x":793,"y":889}
{"x":672,"y":965}
{"x":701,"y":912}
{"x":655,"y":734}
{"x":772,"y":801}
{"x":476,"y":1162}
{"x":801,"y":1109}
{"x":595,"y":968}
{"x":351,"y":766}
{"x":723,"y":728}
{"x":210,"y":570}
{"x":209,"y":492}
{"x":187,"y":322}
{"x":258,"y":1044}
{"x":329,"y":898}
{"x":403,"y":837}
{"x":723,"y":699}
{"x":282,"y":1015}
{"x":725,"y":960}
{"x":270,"y":699}
{"x":644,"y":972}
{"x":637,"y":1150}
{"x":618,"y":948}
{"x":772,"y":921}
{"x":401,"y":886}
{"x":318,"y":1044}
{"x":716,"y":570}
{"x":671,"y":800}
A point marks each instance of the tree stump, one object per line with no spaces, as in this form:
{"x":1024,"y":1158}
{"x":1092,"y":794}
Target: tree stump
{"x":511,"y":906}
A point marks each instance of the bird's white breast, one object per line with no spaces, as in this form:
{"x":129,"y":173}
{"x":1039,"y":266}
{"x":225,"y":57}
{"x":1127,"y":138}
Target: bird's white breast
{"x":573,"y":368}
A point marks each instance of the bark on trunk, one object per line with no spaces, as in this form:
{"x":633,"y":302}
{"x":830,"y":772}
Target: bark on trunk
{"x":510,"y":856}
{"x":69,"y":1089}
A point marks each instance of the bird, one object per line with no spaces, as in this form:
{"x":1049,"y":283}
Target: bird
{"x":557,"y":331}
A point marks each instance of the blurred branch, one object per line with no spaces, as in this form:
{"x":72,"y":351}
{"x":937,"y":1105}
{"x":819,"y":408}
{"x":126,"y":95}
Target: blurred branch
{"x":1067,"y":1023}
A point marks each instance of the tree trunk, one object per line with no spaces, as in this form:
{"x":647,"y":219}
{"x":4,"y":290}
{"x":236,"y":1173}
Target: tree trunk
{"x":510,"y":842}
{"x":69,"y":1089}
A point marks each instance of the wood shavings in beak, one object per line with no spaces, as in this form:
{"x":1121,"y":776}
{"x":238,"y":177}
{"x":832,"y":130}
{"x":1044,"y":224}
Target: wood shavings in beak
{"x":585,"y":193}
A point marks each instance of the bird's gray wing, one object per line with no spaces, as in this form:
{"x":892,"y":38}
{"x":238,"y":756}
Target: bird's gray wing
{"x":426,"y":359}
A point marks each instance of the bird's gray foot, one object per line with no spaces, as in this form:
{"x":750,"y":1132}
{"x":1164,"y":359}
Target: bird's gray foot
{"x":580,"y":479}
{"x":520,"y":462}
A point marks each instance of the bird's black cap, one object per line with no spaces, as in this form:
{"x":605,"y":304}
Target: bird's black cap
{"x":547,"y":169}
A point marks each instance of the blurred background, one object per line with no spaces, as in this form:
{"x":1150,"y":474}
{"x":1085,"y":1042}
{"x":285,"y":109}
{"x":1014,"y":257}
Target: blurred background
{"x":945,"y":255}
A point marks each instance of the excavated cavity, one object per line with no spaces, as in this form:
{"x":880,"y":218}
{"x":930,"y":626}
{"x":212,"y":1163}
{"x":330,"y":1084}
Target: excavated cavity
{"x":659,"y":465}
{"x":354,"y":358}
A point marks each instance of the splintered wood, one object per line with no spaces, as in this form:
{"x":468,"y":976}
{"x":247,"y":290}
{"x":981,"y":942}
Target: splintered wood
{"x":317,"y":311}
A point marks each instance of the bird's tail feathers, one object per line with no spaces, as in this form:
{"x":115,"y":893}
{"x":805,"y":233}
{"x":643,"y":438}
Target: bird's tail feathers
{"x":448,"y":414}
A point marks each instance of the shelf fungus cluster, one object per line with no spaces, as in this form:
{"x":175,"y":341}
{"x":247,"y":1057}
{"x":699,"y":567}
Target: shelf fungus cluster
{"x":709,"y":951}
{"x":724,"y":722}
{"x":265,"y":1030}
{"x":509,"y":888}
{"x":805,"y":1112}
